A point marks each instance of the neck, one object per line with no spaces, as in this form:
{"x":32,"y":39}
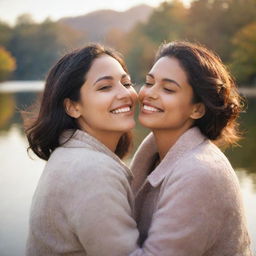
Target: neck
{"x":165,"y":139}
{"x":110,"y":140}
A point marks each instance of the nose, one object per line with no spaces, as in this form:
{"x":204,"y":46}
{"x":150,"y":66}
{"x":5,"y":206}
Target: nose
{"x":149,"y":92}
{"x":123,"y":92}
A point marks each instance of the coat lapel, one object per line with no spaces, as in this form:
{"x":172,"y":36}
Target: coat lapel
{"x":146,"y":153}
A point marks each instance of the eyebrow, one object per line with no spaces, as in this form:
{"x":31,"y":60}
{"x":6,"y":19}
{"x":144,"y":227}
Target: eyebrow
{"x":103,"y":78}
{"x":166,"y":80}
{"x":110,"y":78}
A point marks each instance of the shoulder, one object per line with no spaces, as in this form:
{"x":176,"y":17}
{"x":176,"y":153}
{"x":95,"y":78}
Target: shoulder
{"x":205,"y":159}
{"x":83,"y":159}
{"x":75,"y":167}
{"x":81,"y":179}
{"x":205,"y":167}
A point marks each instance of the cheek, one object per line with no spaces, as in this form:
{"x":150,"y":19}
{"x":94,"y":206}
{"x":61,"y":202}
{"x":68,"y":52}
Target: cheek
{"x":94,"y":107}
{"x":182,"y":107}
{"x":134,"y":95}
{"x":141,"y":94}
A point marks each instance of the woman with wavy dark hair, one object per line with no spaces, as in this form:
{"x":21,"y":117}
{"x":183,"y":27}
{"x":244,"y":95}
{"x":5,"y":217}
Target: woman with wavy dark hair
{"x":188,"y":200}
{"x":83,"y":202}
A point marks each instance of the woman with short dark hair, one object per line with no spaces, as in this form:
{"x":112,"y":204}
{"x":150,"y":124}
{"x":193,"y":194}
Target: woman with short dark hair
{"x":188,"y":200}
{"x":83,"y":201}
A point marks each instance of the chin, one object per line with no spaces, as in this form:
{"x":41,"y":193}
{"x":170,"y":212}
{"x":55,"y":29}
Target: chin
{"x":127,"y":127}
{"x":146,"y":123}
{"x":131,"y":125}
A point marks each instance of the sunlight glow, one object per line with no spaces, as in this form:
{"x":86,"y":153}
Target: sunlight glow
{"x":42,"y":9}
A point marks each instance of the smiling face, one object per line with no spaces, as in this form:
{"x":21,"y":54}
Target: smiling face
{"x":107,"y":99}
{"x":167,"y":98}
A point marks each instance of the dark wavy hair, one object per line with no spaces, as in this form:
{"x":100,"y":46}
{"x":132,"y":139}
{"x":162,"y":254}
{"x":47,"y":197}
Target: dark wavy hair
{"x":212,"y":85}
{"x":44,"y":124}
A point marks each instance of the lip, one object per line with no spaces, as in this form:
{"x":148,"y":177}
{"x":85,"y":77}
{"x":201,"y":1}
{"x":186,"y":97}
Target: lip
{"x":122,"y":109}
{"x":154,"y":109}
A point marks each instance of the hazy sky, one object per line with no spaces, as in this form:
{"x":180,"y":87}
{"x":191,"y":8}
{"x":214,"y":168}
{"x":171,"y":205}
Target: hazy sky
{"x":55,"y":9}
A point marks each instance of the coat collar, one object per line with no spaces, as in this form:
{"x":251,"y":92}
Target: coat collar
{"x":81,"y":139}
{"x":147,"y":151}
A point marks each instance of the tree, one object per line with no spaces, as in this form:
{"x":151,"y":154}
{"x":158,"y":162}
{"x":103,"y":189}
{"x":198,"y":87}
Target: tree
{"x":25,"y":19}
{"x":167,"y":22}
{"x":7,"y":64}
{"x":116,"y":38}
{"x":244,"y":56}
{"x":139,"y":53}
{"x":5,"y":34}
{"x":37,"y":46}
{"x":215,"y":22}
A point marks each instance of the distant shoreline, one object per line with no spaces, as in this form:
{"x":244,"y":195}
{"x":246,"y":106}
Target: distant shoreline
{"x":248,"y":92}
{"x":38,"y":86}
{"x":21,"y":86}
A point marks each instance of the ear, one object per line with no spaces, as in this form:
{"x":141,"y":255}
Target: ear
{"x":71,"y":108}
{"x":198,"y":110}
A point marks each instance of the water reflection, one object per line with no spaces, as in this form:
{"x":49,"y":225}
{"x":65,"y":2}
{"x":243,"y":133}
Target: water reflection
{"x":19,"y":177}
{"x":7,"y":109}
{"x":10,"y":107}
{"x":243,"y":156}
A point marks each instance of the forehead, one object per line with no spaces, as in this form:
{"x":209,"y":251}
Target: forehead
{"x":105,"y":65}
{"x":169,"y":67}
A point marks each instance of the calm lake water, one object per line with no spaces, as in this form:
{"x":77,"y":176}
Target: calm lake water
{"x":19,"y":174}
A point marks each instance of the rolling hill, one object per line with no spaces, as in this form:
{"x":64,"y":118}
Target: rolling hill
{"x":96,"y":24}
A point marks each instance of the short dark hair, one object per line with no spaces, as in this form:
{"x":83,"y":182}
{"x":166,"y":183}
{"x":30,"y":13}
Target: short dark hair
{"x":44,"y":127}
{"x":212,"y":85}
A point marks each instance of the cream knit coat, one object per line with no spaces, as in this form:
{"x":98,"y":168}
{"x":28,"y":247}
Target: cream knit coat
{"x":190,"y":205}
{"x":83,"y":203}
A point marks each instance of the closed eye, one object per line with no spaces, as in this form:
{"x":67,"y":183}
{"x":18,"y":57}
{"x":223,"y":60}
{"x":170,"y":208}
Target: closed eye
{"x":103,"y":88}
{"x":148,"y":84}
{"x":168,"y":90}
{"x":127,"y":84}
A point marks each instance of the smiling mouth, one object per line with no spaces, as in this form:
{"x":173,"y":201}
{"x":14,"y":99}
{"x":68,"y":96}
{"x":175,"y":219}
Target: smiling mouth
{"x":121,"y":110}
{"x":151,"y":108}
